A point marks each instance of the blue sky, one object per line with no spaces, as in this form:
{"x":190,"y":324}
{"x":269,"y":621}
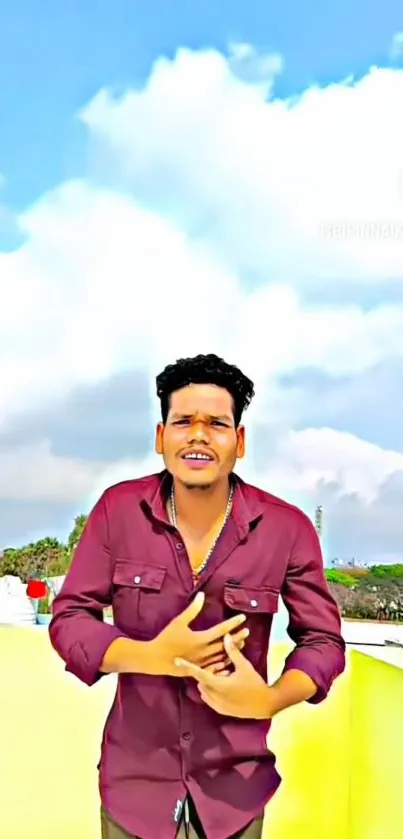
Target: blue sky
{"x":131,"y":183}
{"x":55,"y":55}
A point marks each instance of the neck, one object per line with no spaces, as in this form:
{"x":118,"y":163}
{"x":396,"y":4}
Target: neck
{"x":201,"y":507}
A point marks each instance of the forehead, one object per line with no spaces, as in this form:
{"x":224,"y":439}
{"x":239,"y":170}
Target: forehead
{"x":205,"y":399}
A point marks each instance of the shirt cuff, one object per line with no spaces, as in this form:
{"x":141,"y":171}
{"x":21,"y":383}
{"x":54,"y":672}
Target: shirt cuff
{"x":310,"y":662}
{"x":86,"y":656}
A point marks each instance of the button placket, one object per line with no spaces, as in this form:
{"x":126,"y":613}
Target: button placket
{"x":182,"y":563}
{"x":185,"y":730}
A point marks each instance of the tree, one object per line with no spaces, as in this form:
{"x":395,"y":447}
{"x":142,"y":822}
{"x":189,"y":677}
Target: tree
{"x":10,"y":562}
{"x":43,"y":558}
{"x":333,"y":575}
{"x":75,"y":535}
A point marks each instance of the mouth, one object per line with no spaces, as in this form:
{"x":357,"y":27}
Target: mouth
{"x":197,"y":459}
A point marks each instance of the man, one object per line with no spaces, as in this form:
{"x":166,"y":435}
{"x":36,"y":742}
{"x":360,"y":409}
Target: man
{"x":194,"y":561}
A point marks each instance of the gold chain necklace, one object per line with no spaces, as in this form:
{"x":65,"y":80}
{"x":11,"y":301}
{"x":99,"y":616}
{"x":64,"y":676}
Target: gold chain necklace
{"x":172,"y":505}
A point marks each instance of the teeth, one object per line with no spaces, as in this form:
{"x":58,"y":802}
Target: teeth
{"x":197,"y":457}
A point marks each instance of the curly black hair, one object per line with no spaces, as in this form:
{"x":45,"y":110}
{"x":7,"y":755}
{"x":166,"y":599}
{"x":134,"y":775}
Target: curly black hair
{"x":205,"y":370}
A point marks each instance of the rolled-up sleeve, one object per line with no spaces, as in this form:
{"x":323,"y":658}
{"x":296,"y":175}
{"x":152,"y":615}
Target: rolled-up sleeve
{"x":77,"y":630}
{"x":314,"y":618}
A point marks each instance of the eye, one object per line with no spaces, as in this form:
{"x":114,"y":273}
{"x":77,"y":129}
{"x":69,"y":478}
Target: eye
{"x":181,"y":422}
{"x":218,"y":422}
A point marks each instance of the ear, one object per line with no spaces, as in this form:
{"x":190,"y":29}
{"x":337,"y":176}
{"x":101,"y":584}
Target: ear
{"x":240,"y":449}
{"x":159,"y":438}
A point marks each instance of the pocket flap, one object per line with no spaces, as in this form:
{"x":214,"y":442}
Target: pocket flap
{"x":251,"y":599}
{"x":139,"y":575}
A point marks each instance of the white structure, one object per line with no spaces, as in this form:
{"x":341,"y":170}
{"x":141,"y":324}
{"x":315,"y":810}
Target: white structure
{"x":16,"y":609}
{"x":55,"y":584}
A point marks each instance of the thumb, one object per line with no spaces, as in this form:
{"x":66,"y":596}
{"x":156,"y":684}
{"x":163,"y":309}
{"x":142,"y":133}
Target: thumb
{"x":233,"y":653}
{"x":194,"y":609}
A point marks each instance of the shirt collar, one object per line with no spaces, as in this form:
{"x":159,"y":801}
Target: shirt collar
{"x":247,"y":506}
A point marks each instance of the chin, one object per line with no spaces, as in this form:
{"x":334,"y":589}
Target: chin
{"x":200,"y":487}
{"x":196,"y":481}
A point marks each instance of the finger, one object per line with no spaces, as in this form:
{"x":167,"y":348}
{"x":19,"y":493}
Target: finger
{"x":223,"y":671}
{"x":219,"y":657}
{"x":216,"y":648}
{"x":234,"y":654}
{"x":217,"y":667}
{"x":195,"y":672}
{"x":240,"y":637}
{"x":222,"y":629}
{"x":193,"y":610}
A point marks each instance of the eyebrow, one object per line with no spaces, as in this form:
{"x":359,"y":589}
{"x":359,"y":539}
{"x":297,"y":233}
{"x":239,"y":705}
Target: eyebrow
{"x":222,"y":418}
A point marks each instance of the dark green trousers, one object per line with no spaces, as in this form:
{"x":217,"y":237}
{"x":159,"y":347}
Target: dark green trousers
{"x":110,"y":830}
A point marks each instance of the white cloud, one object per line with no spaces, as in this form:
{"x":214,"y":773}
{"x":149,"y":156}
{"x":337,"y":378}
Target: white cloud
{"x":307,"y":457}
{"x":34,"y":473}
{"x":253,"y":66}
{"x":396,"y":50}
{"x":200,"y":183}
{"x":323,"y":172}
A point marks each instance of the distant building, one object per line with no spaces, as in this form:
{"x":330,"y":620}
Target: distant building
{"x":319,"y":520}
{"x":347,"y":564}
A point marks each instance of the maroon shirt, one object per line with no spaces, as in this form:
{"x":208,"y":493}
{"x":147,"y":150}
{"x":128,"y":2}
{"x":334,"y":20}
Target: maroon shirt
{"x":160,"y":740}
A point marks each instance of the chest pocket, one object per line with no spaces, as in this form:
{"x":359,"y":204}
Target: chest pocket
{"x":259,"y":604}
{"x":137,"y":597}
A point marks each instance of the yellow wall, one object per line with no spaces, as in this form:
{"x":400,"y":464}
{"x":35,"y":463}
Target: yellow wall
{"x":313,"y":746}
{"x":50,"y":728}
{"x":377,"y":750}
{"x":49,"y":742}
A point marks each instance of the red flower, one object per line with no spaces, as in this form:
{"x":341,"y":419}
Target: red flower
{"x":36,"y":589}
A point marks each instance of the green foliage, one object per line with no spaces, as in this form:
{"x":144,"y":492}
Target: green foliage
{"x":342,"y":578}
{"x":369,"y":594}
{"x":38,"y":559}
{"x":10,"y":563}
{"x":45,"y":558}
{"x":44,"y":607}
{"x":390,"y":572}
{"x":362,"y":577}
{"x":75,"y":535}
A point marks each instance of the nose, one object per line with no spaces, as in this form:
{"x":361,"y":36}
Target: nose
{"x":198,"y":433}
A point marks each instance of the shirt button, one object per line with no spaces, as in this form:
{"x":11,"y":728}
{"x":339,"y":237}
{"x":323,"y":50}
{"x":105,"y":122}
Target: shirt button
{"x":179,"y":546}
{"x":137,"y":580}
{"x":186,"y":735}
{"x":253,"y":603}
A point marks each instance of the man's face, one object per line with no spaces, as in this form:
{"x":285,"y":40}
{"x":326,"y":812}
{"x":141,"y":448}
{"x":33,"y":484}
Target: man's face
{"x":199,"y":442}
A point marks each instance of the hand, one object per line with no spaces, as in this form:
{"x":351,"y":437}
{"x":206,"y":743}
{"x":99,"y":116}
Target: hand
{"x":222,"y":663}
{"x":204,"y":648}
{"x":242,"y":693}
